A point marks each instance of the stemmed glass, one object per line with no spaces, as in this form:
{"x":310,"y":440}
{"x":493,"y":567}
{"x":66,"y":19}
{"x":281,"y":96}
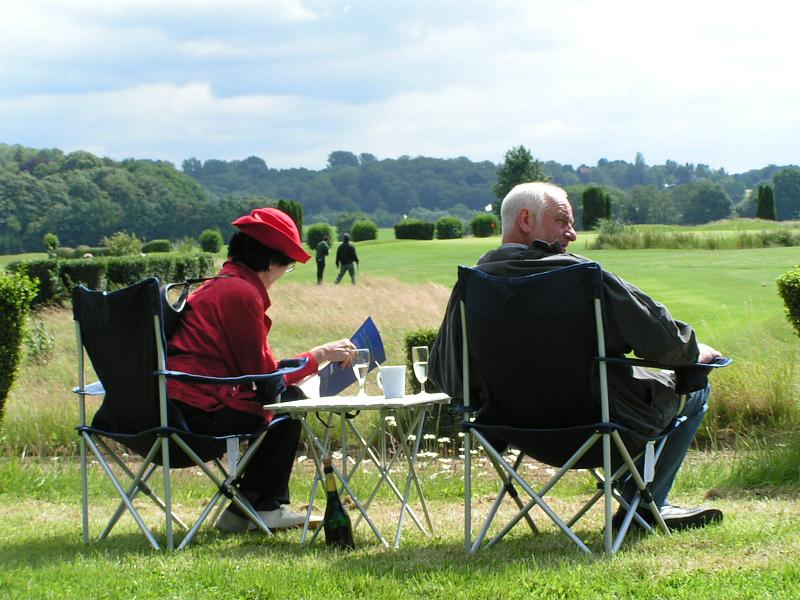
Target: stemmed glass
{"x":360,"y":368}
{"x":419,"y":360}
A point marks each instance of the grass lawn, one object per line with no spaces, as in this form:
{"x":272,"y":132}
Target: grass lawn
{"x":754,"y":553}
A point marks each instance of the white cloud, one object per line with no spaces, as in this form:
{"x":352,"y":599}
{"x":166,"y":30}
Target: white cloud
{"x":291,"y":81}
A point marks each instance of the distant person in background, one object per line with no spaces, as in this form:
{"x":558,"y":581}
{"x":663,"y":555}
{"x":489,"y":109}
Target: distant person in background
{"x":323,"y":249}
{"x":346,"y":259}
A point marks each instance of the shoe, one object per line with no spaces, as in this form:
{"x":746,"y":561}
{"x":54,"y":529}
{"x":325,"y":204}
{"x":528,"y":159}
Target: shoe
{"x":676,"y":518}
{"x":229,"y":522}
{"x":285,"y":518}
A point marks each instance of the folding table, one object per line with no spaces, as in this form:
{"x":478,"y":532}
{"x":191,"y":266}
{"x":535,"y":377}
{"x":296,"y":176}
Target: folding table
{"x":409,"y":413}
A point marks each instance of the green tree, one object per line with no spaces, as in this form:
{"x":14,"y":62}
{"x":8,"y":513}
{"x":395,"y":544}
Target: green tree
{"x":787,"y":193}
{"x":518,"y":166}
{"x":342,"y":158}
{"x":51,"y":244}
{"x":294,"y":210}
{"x":703,"y":202}
{"x":596,"y":206}
{"x":122,"y":244}
{"x":765,"y":203}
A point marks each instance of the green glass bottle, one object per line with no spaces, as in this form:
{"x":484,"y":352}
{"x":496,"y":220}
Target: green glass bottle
{"x":336,"y":523}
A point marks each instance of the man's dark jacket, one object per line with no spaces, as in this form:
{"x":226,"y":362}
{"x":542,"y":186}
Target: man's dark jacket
{"x":346,"y":254}
{"x":644,"y":400}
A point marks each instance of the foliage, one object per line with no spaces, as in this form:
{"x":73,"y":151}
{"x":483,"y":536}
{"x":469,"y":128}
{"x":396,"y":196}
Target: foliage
{"x":344,"y":222}
{"x":596,"y":206}
{"x":414,"y":229}
{"x":518,"y":167}
{"x":789,"y":290}
{"x":787,"y":193}
{"x":316,"y":232}
{"x":364,"y":230}
{"x":485,"y":225}
{"x":51,"y":244}
{"x":57,"y":277}
{"x":765,"y":203}
{"x":122,"y":244}
{"x":16,"y":293}
{"x":702,"y":202}
{"x":449,"y":228}
{"x":186,"y":245}
{"x":40,"y":343}
{"x":157,"y":246}
{"x":211,"y":240}
{"x":294,"y":210}
{"x":613,"y":234}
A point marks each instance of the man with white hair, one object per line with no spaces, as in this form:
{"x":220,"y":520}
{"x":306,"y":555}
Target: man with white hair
{"x":537,"y":228}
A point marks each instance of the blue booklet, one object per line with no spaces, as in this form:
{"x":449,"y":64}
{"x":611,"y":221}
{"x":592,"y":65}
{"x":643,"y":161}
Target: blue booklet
{"x":333,"y":378}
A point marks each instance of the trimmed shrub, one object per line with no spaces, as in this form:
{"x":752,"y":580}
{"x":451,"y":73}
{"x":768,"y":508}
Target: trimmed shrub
{"x":294,"y":210}
{"x":156,"y":246}
{"x":449,"y":228}
{"x":17,"y":291}
{"x":64,"y":252}
{"x":789,"y":290}
{"x":414,"y":229}
{"x":51,"y":244}
{"x":443,"y":420}
{"x":316,"y":232}
{"x":57,"y":277}
{"x":122,"y":244}
{"x":485,"y":225}
{"x":211,"y":240}
{"x":364,"y":230}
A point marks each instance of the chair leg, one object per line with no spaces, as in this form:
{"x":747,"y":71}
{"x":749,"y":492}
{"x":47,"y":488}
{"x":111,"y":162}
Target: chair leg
{"x":468,"y":491}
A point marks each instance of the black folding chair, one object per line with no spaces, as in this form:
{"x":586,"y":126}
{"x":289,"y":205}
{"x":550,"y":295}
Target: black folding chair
{"x":122,"y":332}
{"x":535,"y":346}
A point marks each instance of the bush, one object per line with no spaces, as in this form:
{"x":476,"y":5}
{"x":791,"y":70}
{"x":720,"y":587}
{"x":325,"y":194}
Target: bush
{"x":443,"y":420}
{"x":211,"y":240}
{"x":17,"y":291}
{"x":364,"y":230}
{"x":789,"y":290}
{"x":64,"y":252}
{"x":485,"y":225}
{"x":122,"y":244}
{"x":316,"y":232}
{"x":414,"y":229}
{"x":156,"y":246}
{"x":40,"y":343}
{"x":51,"y":244}
{"x":57,"y":277}
{"x":449,"y":228}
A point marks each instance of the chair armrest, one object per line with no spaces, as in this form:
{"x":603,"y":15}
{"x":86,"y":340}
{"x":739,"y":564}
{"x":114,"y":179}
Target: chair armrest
{"x":688,"y":378}
{"x":93,"y":389}
{"x":285,"y":367}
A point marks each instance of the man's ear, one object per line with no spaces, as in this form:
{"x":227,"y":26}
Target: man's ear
{"x":525,"y":221}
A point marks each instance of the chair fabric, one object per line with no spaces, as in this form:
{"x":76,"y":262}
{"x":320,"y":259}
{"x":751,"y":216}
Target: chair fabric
{"x":535,"y":344}
{"x":123,"y":335}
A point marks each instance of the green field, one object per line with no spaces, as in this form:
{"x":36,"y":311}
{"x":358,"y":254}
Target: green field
{"x":730,"y":297}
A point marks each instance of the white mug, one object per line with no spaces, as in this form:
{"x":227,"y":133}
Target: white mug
{"x":392,"y":380}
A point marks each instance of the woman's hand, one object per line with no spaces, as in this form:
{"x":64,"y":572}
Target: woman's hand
{"x":341,"y":351}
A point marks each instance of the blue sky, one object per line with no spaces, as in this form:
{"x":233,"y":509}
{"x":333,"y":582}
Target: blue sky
{"x":293,"y":80}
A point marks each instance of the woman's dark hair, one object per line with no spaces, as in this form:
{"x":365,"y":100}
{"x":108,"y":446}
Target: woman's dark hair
{"x":248,"y":251}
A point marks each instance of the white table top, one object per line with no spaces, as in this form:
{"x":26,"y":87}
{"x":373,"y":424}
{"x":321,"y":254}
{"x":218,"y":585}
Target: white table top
{"x":348,"y":403}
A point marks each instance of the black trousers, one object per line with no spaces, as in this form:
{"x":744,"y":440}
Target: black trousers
{"x":265,"y":482}
{"x":320,"y":269}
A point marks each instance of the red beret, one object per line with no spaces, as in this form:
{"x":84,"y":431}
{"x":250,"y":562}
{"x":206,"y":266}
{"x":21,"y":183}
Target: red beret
{"x":274,"y":229}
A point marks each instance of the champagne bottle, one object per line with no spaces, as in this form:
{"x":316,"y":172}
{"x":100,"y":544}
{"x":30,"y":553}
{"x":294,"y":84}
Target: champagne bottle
{"x":336,"y":523}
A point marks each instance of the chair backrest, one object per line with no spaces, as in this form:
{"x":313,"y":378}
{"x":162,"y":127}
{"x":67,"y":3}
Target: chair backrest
{"x":118,"y":332}
{"x":532,"y":344}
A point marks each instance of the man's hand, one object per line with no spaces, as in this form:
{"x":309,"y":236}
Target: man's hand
{"x":707,"y":353}
{"x":341,"y":351}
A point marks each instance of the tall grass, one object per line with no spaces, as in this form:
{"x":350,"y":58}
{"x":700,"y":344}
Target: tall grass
{"x":624,"y":237}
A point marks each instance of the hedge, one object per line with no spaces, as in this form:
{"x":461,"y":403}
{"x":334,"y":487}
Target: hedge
{"x":485,"y":225}
{"x":17,"y":291}
{"x":316,"y":232}
{"x":449,"y":228}
{"x":414,"y":229}
{"x":789,"y":289}
{"x":57,"y":277}
{"x":363,"y":230}
{"x":443,"y":420}
{"x":157,"y":246}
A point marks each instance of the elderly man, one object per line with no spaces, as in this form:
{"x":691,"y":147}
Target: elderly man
{"x":537,"y":228}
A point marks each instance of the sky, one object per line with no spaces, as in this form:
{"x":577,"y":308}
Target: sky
{"x":290,"y":81}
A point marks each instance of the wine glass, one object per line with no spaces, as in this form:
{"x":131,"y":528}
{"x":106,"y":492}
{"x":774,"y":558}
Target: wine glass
{"x":360,"y":368}
{"x":419,"y":360}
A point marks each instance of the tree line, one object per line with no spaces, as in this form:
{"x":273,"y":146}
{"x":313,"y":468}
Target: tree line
{"x":82,"y":198}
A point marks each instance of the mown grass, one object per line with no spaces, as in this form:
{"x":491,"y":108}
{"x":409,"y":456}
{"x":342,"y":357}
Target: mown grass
{"x":755,"y":552}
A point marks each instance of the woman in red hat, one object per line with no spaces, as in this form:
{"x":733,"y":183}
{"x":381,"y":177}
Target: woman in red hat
{"x":224,"y":334}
